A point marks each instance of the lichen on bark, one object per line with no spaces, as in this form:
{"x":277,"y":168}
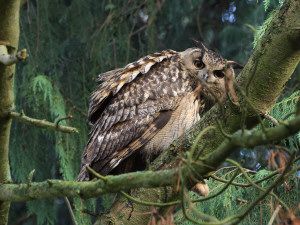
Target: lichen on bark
{"x":9,"y":37}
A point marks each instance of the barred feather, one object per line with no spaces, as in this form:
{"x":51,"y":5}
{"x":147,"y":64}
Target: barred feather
{"x":113,"y":81}
{"x":145,"y":106}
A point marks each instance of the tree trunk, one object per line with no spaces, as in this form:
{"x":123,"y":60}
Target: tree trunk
{"x":273,"y":61}
{"x":9,"y":38}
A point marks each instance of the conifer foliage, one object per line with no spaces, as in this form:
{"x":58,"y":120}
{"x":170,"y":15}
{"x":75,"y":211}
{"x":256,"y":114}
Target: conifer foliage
{"x":70,"y":42}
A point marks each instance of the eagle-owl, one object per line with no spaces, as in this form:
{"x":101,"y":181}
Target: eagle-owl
{"x":137,"y":111}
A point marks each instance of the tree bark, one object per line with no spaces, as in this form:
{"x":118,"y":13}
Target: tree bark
{"x":9,"y":38}
{"x":273,"y":61}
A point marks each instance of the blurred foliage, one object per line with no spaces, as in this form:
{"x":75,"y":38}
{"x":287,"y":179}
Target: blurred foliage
{"x":235,"y":198}
{"x":284,"y":110}
{"x":71,"y":41}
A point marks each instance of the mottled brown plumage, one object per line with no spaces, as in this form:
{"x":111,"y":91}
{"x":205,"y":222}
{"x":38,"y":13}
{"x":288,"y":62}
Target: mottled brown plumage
{"x":144,"y":106}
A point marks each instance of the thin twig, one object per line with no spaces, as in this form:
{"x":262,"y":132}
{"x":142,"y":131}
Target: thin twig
{"x":198,"y":138}
{"x":218,"y":192}
{"x":59,"y":119}
{"x":21,"y":117}
{"x":278,"y":180}
{"x":244,"y":184}
{"x":274,"y":214}
{"x":271,"y":119}
{"x":254,"y":184}
{"x":140,"y":202}
{"x":201,"y":215}
{"x":228,"y":136}
{"x":135,"y":200}
{"x":70,"y":211}
{"x":98,"y":175}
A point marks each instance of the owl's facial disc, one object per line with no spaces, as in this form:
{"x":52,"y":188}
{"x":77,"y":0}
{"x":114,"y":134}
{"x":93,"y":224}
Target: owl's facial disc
{"x":213,"y":83}
{"x":192,"y":60}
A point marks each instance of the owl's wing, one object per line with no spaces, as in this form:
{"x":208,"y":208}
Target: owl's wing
{"x":112,"y":82}
{"x":125,"y":114}
{"x":108,"y":147}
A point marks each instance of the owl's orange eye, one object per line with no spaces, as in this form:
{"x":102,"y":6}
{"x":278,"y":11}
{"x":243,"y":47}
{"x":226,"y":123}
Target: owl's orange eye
{"x":199,"y":64}
{"x":219,"y":74}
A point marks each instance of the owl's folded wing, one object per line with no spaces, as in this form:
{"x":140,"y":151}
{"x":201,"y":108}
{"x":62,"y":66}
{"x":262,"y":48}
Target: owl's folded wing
{"x":106,"y":150}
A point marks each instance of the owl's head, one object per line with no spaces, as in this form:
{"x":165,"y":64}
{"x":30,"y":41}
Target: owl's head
{"x":210,"y":69}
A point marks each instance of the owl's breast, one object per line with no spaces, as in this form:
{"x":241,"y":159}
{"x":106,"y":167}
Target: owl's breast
{"x":182,"y":118}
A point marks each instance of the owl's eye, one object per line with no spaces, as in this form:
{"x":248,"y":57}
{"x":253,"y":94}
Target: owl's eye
{"x":199,"y":64}
{"x":219,"y":74}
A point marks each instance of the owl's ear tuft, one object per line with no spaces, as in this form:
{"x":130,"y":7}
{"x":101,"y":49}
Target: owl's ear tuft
{"x":234,"y":65}
{"x":199,"y":44}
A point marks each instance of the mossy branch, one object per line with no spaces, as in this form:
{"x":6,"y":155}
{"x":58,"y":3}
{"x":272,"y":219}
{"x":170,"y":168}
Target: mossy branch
{"x":21,"y":117}
{"x":9,"y":38}
{"x":274,"y":59}
{"x":264,"y":77}
{"x":146,"y":179}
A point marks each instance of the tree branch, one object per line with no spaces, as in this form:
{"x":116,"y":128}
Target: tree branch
{"x":8,"y":60}
{"x":42,"y":123}
{"x":9,"y":38}
{"x":280,"y":42}
{"x":273,"y":61}
{"x":146,"y":179}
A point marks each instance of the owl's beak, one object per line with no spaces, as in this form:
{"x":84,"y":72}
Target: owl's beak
{"x":205,"y":77}
{"x":202,"y":77}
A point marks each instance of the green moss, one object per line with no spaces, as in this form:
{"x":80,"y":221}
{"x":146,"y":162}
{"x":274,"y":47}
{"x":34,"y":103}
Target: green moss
{"x":261,"y":30}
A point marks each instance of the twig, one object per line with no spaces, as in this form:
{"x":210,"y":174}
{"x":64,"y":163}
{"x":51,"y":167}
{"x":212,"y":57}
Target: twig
{"x":98,"y":175}
{"x":228,"y":136}
{"x":198,"y":138}
{"x":74,"y":107}
{"x":243,"y":184}
{"x":70,"y":211}
{"x":253,"y":183}
{"x":210,"y":219}
{"x":218,"y":192}
{"x":59,"y":119}
{"x":30,"y":177}
{"x":135,"y":200}
{"x":23,"y":219}
{"x":90,"y":213}
{"x":139,"y":30}
{"x":278,"y":180}
{"x":274,"y":214}
{"x":21,"y":117}
{"x":8,"y":60}
{"x":271,"y":119}
{"x":138,"y":201}
{"x":242,"y":200}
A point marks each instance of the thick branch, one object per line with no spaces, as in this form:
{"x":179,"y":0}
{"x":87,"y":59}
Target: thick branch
{"x":264,"y":76}
{"x":42,"y":123}
{"x":9,"y":38}
{"x":270,"y":66}
{"x":146,"y":179}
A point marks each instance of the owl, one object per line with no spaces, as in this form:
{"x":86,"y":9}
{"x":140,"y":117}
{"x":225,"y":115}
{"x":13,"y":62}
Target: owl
{"x":139,"y":110}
